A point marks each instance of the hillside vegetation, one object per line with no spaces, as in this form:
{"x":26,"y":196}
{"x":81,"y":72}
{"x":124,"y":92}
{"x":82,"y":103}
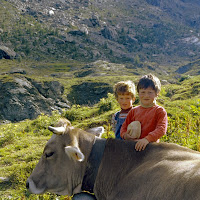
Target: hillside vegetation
{"x":161,"y":31}
{"x":21,"y":144}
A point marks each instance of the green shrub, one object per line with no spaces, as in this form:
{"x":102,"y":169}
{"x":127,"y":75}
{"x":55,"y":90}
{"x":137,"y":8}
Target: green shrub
{"x":78,"y":113}
{"x":39,"y":126}
{"x":107,"y":104}
{"x":184,"y":78}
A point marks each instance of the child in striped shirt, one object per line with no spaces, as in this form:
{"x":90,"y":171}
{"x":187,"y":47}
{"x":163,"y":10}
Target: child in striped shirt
{"x":124,"y":92}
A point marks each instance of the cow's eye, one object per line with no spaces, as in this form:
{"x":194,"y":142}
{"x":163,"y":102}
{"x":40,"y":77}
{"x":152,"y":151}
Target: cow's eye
{"x":49,"y":154}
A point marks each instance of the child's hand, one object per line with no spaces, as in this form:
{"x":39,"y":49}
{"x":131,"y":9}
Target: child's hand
{"x":141,"y":144}
{"x":127,"y":136}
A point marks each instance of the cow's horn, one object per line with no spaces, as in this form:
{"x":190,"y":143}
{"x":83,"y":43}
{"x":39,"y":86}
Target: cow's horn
{"x":57,"y":130}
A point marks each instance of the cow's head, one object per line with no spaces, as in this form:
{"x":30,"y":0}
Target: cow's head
{"x":61,"y":168}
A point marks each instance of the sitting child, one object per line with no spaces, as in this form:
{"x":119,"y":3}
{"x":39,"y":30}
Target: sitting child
{"x":124,"y":92}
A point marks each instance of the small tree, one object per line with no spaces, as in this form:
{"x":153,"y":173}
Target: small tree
{"x":137,"y":61}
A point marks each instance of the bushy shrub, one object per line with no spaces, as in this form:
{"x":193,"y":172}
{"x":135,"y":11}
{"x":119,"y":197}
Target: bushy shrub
{"x":74,"y":113}
{"x":39,"y":126}
{"x":107,"y":104}
{"x":184,"y":78}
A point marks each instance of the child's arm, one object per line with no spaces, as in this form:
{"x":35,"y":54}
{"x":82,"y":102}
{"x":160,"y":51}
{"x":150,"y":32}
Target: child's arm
{"x":161,"y":126}
{"x":123,"y":131}
{"x":153,"y":136}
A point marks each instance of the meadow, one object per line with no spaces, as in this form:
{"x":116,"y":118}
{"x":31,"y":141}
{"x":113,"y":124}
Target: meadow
{"x":21,"y":144}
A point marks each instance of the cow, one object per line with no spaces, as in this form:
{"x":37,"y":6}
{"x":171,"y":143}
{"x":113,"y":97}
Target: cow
{"x":75,"y":160}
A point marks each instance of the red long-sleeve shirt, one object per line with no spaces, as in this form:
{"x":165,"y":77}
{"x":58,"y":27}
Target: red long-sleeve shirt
{"x":153,"y":122}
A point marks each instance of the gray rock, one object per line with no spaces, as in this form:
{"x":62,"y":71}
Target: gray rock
{"x":109,"y":33}
{"x":23,"y":98}
{"x":17,"y":71}
{"x":7,"y":53}
{"x":4,"y":179}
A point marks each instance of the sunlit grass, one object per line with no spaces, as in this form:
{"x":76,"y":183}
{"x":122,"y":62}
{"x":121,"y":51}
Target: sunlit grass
{"x":21,"y":144}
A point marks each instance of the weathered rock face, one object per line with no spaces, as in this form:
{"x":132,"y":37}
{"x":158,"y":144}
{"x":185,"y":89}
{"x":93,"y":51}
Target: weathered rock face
{"x":191,"y":68}
{"x":89,"y":93}
{"x":7,"y":53}
{"x":109,"y":33}
{"x":23,"y":98}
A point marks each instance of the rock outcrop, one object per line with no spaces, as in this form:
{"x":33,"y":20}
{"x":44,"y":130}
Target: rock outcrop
{"x":7,"y":53}
{"x":24,"y":98}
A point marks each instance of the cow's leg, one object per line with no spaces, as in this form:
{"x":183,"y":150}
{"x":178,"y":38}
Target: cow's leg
{"x":83,"y":196}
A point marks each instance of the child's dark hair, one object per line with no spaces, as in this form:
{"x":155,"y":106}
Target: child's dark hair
{"x":149,"y":80}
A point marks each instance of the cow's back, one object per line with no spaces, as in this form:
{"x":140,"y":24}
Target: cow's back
{"x":161,"y":171}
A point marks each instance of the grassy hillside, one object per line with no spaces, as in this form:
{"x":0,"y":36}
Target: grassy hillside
{"x":21,"y":144}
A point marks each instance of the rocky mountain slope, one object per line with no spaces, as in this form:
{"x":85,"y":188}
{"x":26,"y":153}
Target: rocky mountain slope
{"x":113,"y":30}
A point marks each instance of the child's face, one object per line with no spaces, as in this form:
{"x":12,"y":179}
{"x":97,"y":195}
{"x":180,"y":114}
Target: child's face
{"x":147,"y":96}
{"x":125,"y":101}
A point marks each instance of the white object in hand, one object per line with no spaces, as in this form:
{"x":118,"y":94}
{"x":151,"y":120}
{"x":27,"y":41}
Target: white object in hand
{"x":135,"y":129}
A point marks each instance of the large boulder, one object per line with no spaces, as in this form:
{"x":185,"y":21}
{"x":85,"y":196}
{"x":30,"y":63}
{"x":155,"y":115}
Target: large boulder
{"x":7,"y":53}
{"x":23,"y":98}
{"x":109,"y":33}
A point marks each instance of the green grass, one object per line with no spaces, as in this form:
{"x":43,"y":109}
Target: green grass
{"x":21,"y":144}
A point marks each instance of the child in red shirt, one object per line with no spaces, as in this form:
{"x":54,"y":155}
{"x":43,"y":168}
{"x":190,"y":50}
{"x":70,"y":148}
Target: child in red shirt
{"x":153,"y":118}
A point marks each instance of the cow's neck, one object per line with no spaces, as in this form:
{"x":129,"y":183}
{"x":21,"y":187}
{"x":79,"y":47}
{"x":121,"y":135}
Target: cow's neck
{"x":93,"y":163}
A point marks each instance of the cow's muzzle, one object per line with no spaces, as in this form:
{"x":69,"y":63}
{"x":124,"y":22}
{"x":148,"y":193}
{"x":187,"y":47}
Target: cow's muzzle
{"x":30,"y":185}
{"x":27,"y":185}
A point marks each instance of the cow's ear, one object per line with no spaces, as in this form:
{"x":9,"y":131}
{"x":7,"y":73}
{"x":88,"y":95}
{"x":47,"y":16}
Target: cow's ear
{"x":57,"y":130}
{"x":74,"y":153}
{"x":97,"y":131}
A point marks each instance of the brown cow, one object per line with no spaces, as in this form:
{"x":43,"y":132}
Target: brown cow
{"x":76,"y":160}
